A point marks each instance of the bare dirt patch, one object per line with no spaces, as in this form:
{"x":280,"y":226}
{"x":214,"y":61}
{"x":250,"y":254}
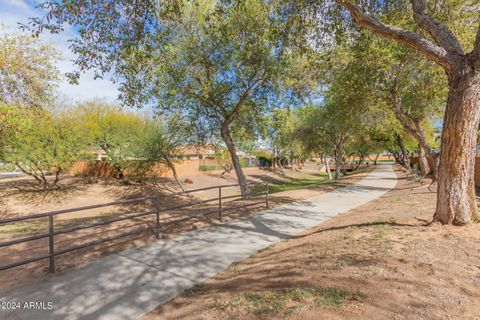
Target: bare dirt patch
{"x":378,"y":261}
{"x":18,"y":197}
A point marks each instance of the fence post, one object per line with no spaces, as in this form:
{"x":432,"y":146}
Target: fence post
{"x":157,"y":227}
{"x":266,"y":195}
{"x":220,"y":204}
{"x":51,"y":245}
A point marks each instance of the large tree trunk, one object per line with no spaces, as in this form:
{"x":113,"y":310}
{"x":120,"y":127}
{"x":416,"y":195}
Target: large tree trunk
{"x":327,"y":166}
{"x":338,"y":163}
{"x":414,"y":126}
{"x":359,"y":163}
{"x":456,"y":202}
{"x":396,"y":156}
{"x":427,"y":150}
{"x":456,"y":189}
{"x":338,"y":154}
{"x":280,"y":166}
{"x":171,"y":165}
{"x":423,"y":161}
{"x":403,"y":158}
{"x":242,"y":180}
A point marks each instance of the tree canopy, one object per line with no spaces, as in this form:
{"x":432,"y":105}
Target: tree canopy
{"x":221,"y":64}
{"x":28,"y":75}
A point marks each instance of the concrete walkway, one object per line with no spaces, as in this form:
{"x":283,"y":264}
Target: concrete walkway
{"x":6,"y":175}
{"x":131,"y":283}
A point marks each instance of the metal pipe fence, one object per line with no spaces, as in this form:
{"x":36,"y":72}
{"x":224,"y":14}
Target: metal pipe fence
{"x":52,"y":232}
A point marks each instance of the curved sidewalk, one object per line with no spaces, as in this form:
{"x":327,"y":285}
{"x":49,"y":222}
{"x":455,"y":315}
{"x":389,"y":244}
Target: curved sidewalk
{"x":131,"y":283}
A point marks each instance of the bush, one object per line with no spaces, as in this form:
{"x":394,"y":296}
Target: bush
{"x":91,"y":179}
{"x":265,"y":162}
{"x":7,"y":167}
{"x":40,"y":142}
{"x":209,"y":168}
{"x":244,"y":162}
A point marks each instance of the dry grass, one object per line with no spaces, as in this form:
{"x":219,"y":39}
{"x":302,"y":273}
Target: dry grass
{"x":378,"y":261}
{"x":79,"y":193}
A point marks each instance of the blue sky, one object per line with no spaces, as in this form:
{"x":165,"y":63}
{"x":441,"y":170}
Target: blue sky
{"x":14,"y":11}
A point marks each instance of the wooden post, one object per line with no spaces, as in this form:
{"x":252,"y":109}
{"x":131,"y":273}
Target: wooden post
{"x":220,"y":203}
{"x":157,"y":227}
{"x":51,"y":245}
{"x":266,"y":195}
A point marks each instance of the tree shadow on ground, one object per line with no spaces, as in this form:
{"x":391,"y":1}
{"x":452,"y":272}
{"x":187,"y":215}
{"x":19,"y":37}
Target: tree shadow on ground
{"x":31,"y":191}
{"x":194,"y":215}
{"x":363,"y":225}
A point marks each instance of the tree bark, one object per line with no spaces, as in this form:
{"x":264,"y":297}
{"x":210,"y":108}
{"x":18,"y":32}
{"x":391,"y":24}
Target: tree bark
{"x":414,"y":126}
{"x":360,"y":161}
{"x":25,"y":171}
{"x":404,"y":160}
{"x":57,"y":177}
{"x":280,"y":166}
{"x":427,"y":150}
{"x":338,"y":163}
{"x":456,"y":202}
{"x":456,"y":188}
{"x":423,"y":161}
{"x":171,"y":165}
{"x":327,"y":166}
{"x":242,"y":180}
{"x":396,"y":156}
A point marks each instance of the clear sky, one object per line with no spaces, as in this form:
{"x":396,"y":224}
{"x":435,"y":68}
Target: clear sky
{"x":14,"y":11}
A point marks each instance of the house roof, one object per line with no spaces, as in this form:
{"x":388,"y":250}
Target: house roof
{"x":196,"y":150}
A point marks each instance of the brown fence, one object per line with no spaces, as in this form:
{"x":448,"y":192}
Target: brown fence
{"x":105,"y":169}
{"x":53,"y":232}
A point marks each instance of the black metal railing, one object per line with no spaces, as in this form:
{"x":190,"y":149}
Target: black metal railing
{"x":52,"y":232}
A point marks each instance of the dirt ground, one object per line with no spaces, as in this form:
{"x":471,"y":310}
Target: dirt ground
{"x":378,"y":261}
{"x":17,"y":197}
{"x":21,"y":195}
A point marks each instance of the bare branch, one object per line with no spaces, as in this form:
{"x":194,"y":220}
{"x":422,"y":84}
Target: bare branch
{"x":440,"y":33}
{"x":239,"y":104}
{"x":207,"y":99}
{"x":241,"y":99}
{"x":409,"y":38}
{"x":401,"y":115}
{"x":409,"y":122}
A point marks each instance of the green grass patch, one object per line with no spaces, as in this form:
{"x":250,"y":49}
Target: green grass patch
{"x":39,"y":225}
{"x":209,"y":168}
{"x":28,"y":227}
{"x":294,"y":184}
{"x":198,"y":288}
{"x":307,"y":181}
{"x":283,"y":302}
